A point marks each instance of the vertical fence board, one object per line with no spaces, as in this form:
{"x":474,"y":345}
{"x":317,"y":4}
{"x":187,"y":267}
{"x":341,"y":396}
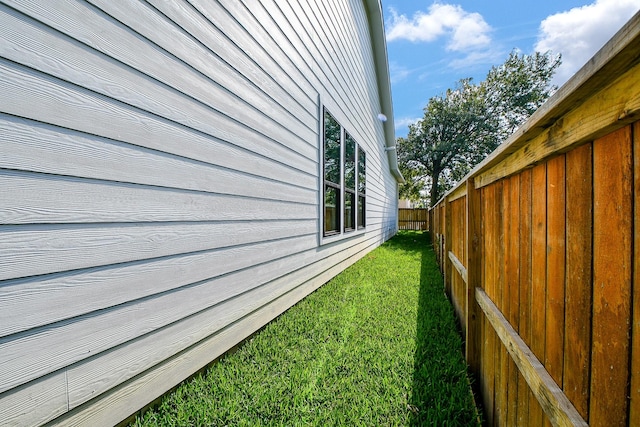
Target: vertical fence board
{"x":442,"y":227}
{"x":458,"y":285}
{"x":634,"y":412}
{"x":500,"y":353}
{"x":524,"y":256}
{"x":539,"y":237}
{"x":579,"y":205}
{"x":538,"y":274}
{"x":474,"y":277}
{"x":488,"y":339}
{"x":512,"y":277}
{"x":554,"y":336}
{"x":447,"y":247}
{"x":463,"y":224}
{"x":552,"y":249}
{"x":554,"y":304}
{"x":612,"y":259}
{"x":462,"y":256}
{"x":413,"y":219}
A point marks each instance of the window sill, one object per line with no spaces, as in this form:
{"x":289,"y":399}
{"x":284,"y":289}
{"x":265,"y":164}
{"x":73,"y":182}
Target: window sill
{"x":336,"y":237}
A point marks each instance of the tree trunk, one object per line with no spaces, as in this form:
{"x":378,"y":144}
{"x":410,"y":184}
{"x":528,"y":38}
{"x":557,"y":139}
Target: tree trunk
{"x":435,"y":180}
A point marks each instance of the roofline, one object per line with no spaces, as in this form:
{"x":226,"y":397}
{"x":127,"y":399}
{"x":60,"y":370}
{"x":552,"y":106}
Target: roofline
{"x":379,"y":46}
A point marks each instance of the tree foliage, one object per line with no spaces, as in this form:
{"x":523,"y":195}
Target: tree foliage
{"x":462,"y":126}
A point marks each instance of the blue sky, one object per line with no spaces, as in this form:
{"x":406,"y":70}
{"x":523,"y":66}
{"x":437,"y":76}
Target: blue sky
{"x":431,"y":45}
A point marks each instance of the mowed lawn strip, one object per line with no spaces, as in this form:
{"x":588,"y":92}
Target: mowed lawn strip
{"x":376,"y":346}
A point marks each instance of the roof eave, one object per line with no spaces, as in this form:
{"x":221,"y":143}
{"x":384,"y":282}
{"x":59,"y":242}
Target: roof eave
{"x":379,"y":46}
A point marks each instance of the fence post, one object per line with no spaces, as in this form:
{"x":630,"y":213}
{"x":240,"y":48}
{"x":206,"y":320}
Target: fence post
{"x":474,"y":279}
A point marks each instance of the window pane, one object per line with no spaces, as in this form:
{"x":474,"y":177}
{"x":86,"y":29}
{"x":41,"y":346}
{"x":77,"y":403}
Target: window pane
{"x":331,"y":149}
{"x":349,"y":162}
{"x":349,"y":211}
{"x":362,"y":171}
{"x":361,"y":212}
{"x":331,"y":211}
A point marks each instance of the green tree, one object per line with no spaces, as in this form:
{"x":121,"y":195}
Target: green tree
{"x":517,"y":88}
{"x":462,"y":126}
{"x":452,"y":132}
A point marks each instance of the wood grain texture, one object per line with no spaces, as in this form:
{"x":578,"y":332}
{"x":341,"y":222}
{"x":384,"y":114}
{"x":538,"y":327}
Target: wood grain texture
{"x":538,"y":273}
{"x":499,"y":354}
{"x":555,"y":404}
{"x":462,"y":271}
{"x":579,"y":290}
{"x":578,"y":239}
{"x":458,"y":193}
{"x":512,"y":277}
{"x":634,"y":392}
{"x":259,"y":23}
{"x":602,"y":113}
{"x":447,"y":248}
{"x":612,"y":267}
{"x":473,"y":241}
{"x":617,"y":57}
{"x":489,"y":286}
{"x":413,"y":219}
{"x":525,"y":306}
{"x":556,"y":251}
{"x":512,"y":282}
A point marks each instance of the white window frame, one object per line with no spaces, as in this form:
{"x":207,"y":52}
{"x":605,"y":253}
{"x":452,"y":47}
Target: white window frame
{"x":358,"y":229}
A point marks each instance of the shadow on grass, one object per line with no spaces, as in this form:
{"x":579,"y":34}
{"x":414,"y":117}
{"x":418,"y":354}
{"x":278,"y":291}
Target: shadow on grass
{"x":440,"y":393}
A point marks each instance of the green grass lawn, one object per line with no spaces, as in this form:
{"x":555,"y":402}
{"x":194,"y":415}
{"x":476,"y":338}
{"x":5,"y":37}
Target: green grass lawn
{"x":376,"y":346}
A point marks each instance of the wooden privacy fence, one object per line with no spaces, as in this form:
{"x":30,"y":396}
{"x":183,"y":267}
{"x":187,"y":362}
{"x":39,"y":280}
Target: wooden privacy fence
{"x":539,"y":249}
{"x":413,"y":219}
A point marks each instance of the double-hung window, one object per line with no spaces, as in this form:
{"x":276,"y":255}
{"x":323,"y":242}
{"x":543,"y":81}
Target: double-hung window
{"x":349,"y":183}
{"x":362,"y":184}
{"x":344,"y":180}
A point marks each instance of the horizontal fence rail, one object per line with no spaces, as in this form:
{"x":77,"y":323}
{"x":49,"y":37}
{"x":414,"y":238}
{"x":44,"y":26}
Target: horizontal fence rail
{"x":538,"y":246}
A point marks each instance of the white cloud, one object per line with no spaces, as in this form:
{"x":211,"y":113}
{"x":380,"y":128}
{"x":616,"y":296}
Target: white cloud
{"x":402,"y":122}
{"x":463,"y":29}
{"x":579,"y":33}
{"x":398,"y":72}
{"x":471,"y":59}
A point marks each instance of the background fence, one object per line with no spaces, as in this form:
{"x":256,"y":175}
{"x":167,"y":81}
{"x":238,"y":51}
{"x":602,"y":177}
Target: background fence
{"x":538,"y":247}
{"x":413,"y":219}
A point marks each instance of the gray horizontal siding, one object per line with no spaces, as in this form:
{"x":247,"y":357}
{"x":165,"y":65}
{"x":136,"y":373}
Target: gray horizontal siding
{"x":40,"y":200}
{"x":32,"y":302}
{"x":161,"y":189}
{"x":136,"y":392}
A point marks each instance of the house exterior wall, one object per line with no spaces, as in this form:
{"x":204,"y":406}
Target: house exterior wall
{"x":161,"y":186}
